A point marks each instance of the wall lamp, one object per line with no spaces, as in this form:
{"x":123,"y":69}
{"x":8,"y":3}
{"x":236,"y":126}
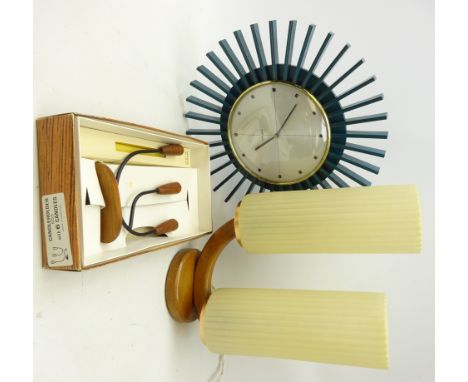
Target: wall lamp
{"x":336,"y":327}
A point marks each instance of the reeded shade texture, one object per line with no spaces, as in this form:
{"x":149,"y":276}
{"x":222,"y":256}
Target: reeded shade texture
{"x":382,"y":219}
{"x":348,"y":328}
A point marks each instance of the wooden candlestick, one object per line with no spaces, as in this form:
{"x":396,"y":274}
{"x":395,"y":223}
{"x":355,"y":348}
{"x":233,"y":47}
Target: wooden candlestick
{"x":111,"y":214}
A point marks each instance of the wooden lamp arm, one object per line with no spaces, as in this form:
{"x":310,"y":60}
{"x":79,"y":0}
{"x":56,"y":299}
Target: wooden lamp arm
{"x":207,"y":261}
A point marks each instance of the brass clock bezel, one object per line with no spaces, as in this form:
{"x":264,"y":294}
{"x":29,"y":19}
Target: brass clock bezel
{"x":317,"y":104}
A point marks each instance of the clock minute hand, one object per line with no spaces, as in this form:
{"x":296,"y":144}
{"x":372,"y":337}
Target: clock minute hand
{"x":277,"y":133}
{"x":286,"y":120}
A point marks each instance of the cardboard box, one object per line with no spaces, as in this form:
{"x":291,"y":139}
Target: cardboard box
{"x":68,"y":146}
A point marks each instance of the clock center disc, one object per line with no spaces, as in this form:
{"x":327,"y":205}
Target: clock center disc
{"x":279,"y":132}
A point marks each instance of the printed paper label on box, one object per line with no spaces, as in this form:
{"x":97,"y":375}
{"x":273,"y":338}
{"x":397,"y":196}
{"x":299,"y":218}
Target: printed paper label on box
{"x":57,"y":239}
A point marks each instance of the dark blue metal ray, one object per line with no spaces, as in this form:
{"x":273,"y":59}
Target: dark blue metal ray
{"x":218,"y":155}
{"x":246,"y":53}
{"x":360,"y":163}
{"x":360,"y":149}
{"x":329,"y":68}
{"x":356,"y":162}
{"x":234,"y":61}
{"x":219,"y":168}
{"x":358,"y":104}
{"x":274,"y":50}
{"x":352,"y":175}
{"x":316,"y":179}
{"x":310,"y":185}
{"x":203,"y":132}
{"x":202,"y":117}
{"x":367,"y":134}
{"x":216,"y":143}
{"x":249,"y":190}
{"x":209,"y":92}
{"x":340,"y":79}
{"x":304,"y":50}
{"x":221,"y":67}
{"x":214,"y":78}
{"x":351,"y":91}
{"x":362,"y":103}
{"x":337,"y":180}
{"x":289,"y":49}
{"x":366,"y":119}
{"x":325,"y":185}
{"x":205,"y":104}
{"x":317,"y":59}
{"x":260,"y":52}
{"x":225,"y":180}
{"x":234,"y":190}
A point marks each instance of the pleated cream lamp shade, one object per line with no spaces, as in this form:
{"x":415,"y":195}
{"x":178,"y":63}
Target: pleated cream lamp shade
{"x":324,"y":326}
{"x":381,"y":219}
{"x":347,"y":328}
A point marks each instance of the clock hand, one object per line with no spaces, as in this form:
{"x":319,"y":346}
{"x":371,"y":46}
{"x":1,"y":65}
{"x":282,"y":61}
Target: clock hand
{"x":286,"y":120}
{"x":264,"y":143}
{"x":277,"y":133}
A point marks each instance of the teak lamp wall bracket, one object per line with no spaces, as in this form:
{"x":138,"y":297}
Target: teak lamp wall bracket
{"x":188,"y":282}
{"x":324,"y":326}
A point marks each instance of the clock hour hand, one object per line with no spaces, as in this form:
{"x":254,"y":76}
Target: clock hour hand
{"x":264,"y":143}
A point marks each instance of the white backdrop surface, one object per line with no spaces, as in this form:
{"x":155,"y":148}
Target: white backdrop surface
{"x":133,"y":60}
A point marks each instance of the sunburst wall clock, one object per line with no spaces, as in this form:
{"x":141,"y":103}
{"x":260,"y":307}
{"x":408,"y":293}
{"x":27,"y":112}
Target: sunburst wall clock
{"x":282,"y":125}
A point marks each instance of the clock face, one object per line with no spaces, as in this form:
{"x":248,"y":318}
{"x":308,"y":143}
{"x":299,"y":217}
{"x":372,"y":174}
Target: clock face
{"x":279,"y":133}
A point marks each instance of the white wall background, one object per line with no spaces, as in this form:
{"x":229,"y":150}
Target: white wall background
{"x":133,"y":60}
